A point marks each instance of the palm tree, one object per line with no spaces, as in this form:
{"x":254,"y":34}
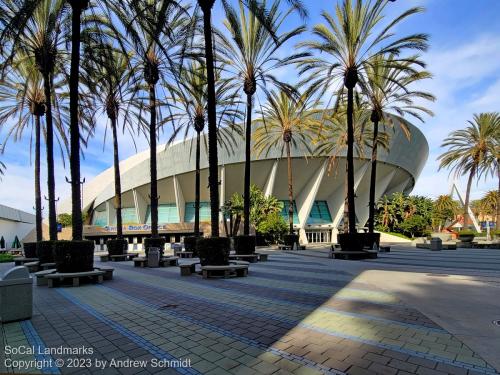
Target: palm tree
{"x":471,"y":150}
{"x":387,"y":87}
{"x":488,"y":205}
{"x":159,"y":32}
{"x":347,"y":42}
{"x":251,"y":53}
{"x":288,"y":120}
{"x":445,"y":209}
{"x":114,"y":84}
{"x":206,"y":7}
{"x":192,"y":96}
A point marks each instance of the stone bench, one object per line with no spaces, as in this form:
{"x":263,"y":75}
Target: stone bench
{"x":108,"y":275}
{"x":95,"y":275}
{"x":32,"y":266}
{"x":284,"y":247}
{"x":252,"y":258}
{"x":104,"y":257}
{"x":164,"y":262}
{"x":118,"y":258}
{"x":47,"y":266}
{"x":262,"y":257}
{"x":184,"y":254}
{"x":384,"y":249}
{"x":188,"y":269}
{"x":40,"y":277}
{"x":231,"y":270}
{"x":21,"y":260}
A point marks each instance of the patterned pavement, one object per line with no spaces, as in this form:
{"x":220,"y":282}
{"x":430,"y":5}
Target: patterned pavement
{"x":292,"y":315}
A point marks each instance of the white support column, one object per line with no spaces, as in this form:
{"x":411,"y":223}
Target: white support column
{"x":222,"y":190}
{"x":179,"y":199}
{"x":268,"y":189}
{"x":305,"y":199}
{"x":109,"y":210}
{"x":140,"y":206}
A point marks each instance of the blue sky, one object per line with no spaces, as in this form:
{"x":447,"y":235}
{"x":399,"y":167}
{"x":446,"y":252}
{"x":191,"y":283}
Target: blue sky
{"x":464,"y":58}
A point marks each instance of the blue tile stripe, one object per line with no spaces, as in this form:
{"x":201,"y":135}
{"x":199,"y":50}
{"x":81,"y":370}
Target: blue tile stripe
{"x":36,"y":341}
{"x":330,"y":332}
{"x":250,"y":342}
{"x":140,"y":341}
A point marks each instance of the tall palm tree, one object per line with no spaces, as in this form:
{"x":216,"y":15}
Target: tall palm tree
{"x":192,"y":96}
{"x":387,"y":86}
{"x":288,"y":120}
{"x":252,"y":57}
{"x":471,"y":150}
{"x":346,"y":42}
{"x":206,"y":7}
{"x":445,"y":209}
{"x":158,"y":33}
{"x":114,"y":84}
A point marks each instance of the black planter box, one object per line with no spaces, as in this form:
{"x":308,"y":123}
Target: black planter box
{"x":213,"y":251}
{"x":358,"y":241}
{"x":244,"y":245}
{"x":74,"y":256}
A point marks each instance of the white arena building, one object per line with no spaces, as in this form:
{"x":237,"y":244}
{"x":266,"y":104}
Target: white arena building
{"x":319,"y":193}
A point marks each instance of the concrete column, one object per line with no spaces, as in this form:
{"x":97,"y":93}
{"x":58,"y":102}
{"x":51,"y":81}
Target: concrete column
{"x":140,"y":206}
{"x":222,"y":189}
{"x":269,"y":187}
{"x":109,"y":212}
{"x":179,"y":199}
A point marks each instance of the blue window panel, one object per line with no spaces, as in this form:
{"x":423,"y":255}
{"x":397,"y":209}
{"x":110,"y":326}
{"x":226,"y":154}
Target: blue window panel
{"x":100,"y":219}
{"x":284,"y":212}
{"x":320,"y":214}
{"x":167,"y":213}
{"x":190,"y":210}
{"x":129,"y":215}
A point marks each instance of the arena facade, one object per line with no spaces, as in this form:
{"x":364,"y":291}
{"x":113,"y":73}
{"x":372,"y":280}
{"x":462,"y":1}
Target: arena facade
{"x":319,"y":190}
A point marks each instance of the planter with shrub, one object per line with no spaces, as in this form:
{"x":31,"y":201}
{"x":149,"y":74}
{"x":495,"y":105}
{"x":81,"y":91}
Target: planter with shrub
{"x":190,"y":244}
{"x":74,"y":256}
{"x":213,"y":251}
{"x":369,"y":239}
{"x":30,"y":249}
{"x":244,"y":245}
{"x":466,"y":235}
{"x":45,"y":251}
{"x":351,"y":241}
{"x":158,"y":242}
{"x":117,"y":246}
{"x":291,"y":239}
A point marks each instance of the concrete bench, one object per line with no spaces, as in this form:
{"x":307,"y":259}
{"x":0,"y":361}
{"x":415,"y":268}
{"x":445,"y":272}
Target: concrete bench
{"x":118,"y":258}
{"x":95,"y":275}
{"x":21,"y":260}
{"x":384,"y":249}
{"x":231,"y":270}
{"x":32,"y":266}
{"x":104,"y":257}
{"x":40,"y":277}
{"x":188,"y":269}
{"x":108,"y":275}
{"x":140,"y":261}
{"x":284,"y":247}
{"x":184,"y":254}
{"x":47,"y":266}
{"x":252,"y":258}
{"x":262,"y":257}
{"x":169,"y":261}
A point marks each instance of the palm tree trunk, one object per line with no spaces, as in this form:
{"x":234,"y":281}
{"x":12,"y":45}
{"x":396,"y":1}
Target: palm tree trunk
{"x":467,"y":197}
{"x":118,"y":188}
{"x":248,"y":140}
{"x":213,"y":167}
{"x":77,"y":223}
{"x":152,"y":163}
{"x":49,"y":144}
{"x":197,"y":189}
{"x":373,"y":179}
{"x":290,"y":188}
{"x":498,"y":197}
{"x":350,"y":160}
{"x":38,"y":193}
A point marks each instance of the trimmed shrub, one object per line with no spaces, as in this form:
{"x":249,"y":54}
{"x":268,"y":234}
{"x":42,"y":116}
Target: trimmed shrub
{"x":213,"y":251}
{"x":74,"y":256}
{"x":117,"y":246}
{"x":190,"y":244}
{"x":244,"y":245}
{"x":6,"y":258}
{"x":290,"y":239}
{"x":45,"y":251}
{"x":466,"y":235}
{"x":29,"y":249}
{"x":158,"y":242}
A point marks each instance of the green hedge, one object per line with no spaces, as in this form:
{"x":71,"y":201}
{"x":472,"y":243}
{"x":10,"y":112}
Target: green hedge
{"x":117,"y":246}
{"x":190,"y":244}
{"x":244,"y":245}
{"x":158,"y":242}
{"x":30,"y":249}
{"x":6,"y":258}
{"x":74,"y":256}
{"x":45,"y":251}
{"x":290,"y":239}
{"x":213,"y":251}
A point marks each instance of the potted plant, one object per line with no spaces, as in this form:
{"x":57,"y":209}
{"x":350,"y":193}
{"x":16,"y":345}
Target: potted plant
{"x":213,"y":251}
{"x":244,"y":245}
{"x":466,"y":235}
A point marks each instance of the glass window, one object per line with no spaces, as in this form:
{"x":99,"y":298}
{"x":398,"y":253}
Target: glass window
{"x":320,"y":214}
{"x":99,"y":219}
{"x":129,"y":215}
{"x":167,"y":213}
{"x":284,"y":212}
{"x":204,"y":212}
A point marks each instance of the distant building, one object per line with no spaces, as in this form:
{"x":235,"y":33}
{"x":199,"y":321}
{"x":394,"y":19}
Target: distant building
{"x":319,"y":193}
{"x":14,"y":223}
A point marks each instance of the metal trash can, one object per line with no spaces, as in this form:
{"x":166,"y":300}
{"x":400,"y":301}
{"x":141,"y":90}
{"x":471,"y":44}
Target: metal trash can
{"x":154,"y":257}
{"x":16,"y":295}
{"x":436,"y":244}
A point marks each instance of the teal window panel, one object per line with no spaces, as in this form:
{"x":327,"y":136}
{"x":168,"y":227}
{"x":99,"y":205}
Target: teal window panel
{"x":284,"y":212}
{"x":129,"y":215}
{"x":320,"y":214}
{"x":190,"y":210}
{"x":100,"y":219}
{"x":167,"y":213}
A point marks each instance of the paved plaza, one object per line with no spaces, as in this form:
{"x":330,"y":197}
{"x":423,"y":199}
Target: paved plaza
{"x":298,"y":313}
